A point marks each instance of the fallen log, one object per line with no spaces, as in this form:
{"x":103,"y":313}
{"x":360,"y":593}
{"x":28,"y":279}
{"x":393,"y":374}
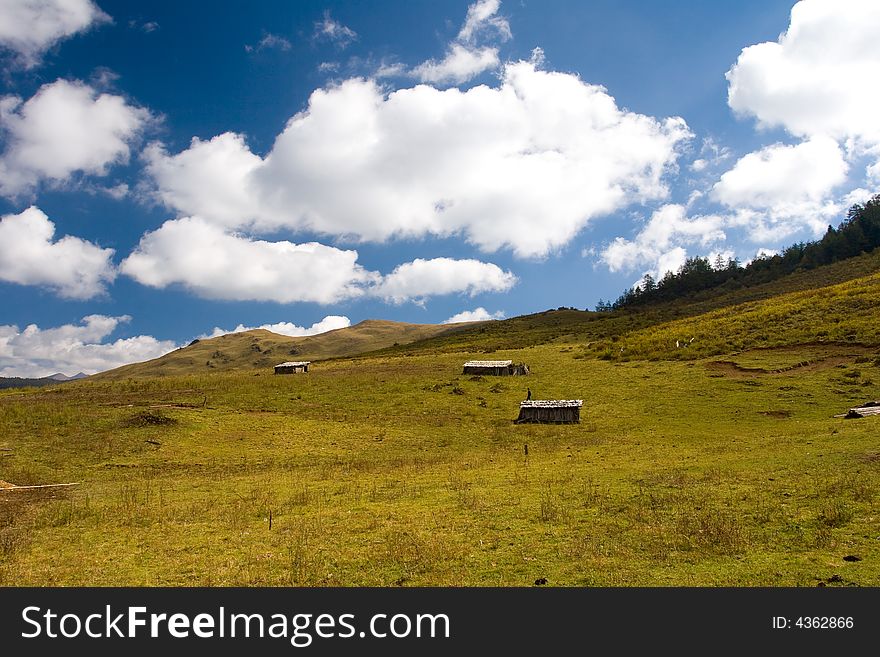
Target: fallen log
{"x":14,"y":487}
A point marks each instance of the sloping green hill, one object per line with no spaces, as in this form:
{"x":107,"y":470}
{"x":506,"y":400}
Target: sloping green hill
{"x":259,"y":348}
{"x":599,"y":329}
{"x":846,"y":313}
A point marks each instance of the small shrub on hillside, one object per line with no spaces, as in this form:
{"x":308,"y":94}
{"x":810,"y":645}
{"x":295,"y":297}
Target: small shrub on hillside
{"x":148,"y":419}
{"x":835,"y":514}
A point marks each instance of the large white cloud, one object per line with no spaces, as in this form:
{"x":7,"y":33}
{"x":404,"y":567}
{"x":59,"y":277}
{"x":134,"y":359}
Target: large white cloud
{"x":781,"y":189}
{"x":30,"y":27}
{"x":70,"y":266}
{"x":65,"y":128}
{"x":217,"y":264}
{"x":819,"y":78}
{"x":69,"y":349}
{"x":329,"y":323}
{"x":660,"y":244}
{"x":211,"y":178}
{"x":524,"y":165}
{"x":780,"y":175}
{"x":420,"y":279}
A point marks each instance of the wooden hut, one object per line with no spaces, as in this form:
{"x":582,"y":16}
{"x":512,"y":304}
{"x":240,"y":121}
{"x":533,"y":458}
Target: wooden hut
{"x":866,"y":409}
{"x":292,"y":367}
{"x":495,"y":368}
{"x":550,"y":411}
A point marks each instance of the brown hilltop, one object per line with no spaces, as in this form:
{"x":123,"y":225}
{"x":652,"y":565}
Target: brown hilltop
{"x":259,"y":348}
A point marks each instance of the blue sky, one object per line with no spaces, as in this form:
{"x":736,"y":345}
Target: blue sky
{"x":169,"y":171}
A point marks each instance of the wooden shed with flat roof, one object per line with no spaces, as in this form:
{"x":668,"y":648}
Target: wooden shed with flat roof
{"x":550,"y":411}
{"x":495,"y":368}
{"x":293,"y":367}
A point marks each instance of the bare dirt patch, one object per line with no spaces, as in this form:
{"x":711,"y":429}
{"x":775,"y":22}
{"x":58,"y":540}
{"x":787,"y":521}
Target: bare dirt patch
{"x":829,"y":356}
{"x":148,"y":419}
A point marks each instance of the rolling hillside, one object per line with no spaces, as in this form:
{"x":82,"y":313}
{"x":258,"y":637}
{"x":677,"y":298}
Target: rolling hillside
{"x":603,"y":333}
{"x":600,"y":329}
{"x":394,"y":468}
{"x":845,"y":313}
{"x":262,"y":349}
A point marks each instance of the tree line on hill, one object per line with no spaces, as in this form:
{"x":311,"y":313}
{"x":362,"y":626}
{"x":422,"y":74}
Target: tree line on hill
{"x":858,"y":233}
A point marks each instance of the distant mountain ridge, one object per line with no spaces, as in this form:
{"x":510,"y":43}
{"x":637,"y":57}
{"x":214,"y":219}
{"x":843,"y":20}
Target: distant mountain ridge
{"x":63,"y":377}
{"x":25,"y":382}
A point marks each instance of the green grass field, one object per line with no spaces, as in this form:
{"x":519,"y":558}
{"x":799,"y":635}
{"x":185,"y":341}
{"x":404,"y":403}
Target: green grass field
{"x":715,"y":462}
{"x":398,"y":470}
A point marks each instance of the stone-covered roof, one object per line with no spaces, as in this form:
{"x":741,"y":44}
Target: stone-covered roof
{"x":552,"y":403}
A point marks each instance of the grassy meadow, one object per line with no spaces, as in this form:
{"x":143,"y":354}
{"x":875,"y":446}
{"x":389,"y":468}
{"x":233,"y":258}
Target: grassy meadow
{"x":398,"y":470}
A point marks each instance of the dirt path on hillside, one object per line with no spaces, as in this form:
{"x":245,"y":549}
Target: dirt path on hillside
{"x":735,"y":370}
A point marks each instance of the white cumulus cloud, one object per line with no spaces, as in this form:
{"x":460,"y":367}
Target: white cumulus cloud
{"x":813,"y":82}
{"x":660,"y":244}
{"x":524,"y":165}
{"x":65,"y":128}
{"x":29,"y":255}
{"x":28,"y":28}
{"x":210,"y":179}
{"x":778,"y":175}
{"x":420,"y":279}
{"x":818,"y":78}
{"x":329,"y":323}
{"x":217,"y":264}
{"x":476,"y":315}
{"x":69,"y":349}
{"x":781,"y":189}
